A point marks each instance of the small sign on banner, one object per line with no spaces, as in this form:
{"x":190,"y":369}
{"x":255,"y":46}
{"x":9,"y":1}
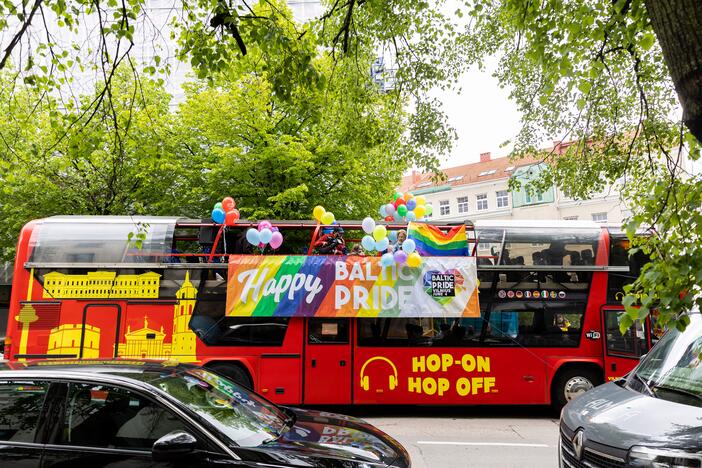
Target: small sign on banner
{"x":442,"y":284}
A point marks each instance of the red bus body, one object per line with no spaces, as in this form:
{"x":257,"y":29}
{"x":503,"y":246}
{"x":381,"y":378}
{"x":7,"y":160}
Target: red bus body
{"x":302,"y":369}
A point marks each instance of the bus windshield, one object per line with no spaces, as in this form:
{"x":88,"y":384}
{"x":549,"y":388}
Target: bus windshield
{"x":673,"y":369}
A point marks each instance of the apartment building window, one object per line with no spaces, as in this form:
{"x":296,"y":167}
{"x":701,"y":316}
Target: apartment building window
{"x":482,"y":202}
{"x":536,"y":197}
{"x":502,"y":198}
{"x":444,"y":208}
{"x":570,"y":218}
{"x":462,"y":204}
{"x":599,"y":217}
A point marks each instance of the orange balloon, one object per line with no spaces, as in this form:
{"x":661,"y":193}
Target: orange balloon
{"x":407,"y":196}
{"x":231,"y":217}
{"x":228,"y":204}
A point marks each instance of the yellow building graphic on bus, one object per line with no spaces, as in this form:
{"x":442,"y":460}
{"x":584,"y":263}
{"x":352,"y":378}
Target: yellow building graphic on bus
{"x":150,"y":343}
{"x":101,"y":285}
{"x":145,"y":342}
{"x":65,"y":339}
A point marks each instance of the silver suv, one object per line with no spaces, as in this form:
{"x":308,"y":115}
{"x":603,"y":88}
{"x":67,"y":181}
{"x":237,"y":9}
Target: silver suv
{"x":650,"y":418}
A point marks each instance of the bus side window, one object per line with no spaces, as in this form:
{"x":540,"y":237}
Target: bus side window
{"x":328,"y":330}
{"x":535,"y":323}
{"x":632,"y":342}
{"x":619,"y":256}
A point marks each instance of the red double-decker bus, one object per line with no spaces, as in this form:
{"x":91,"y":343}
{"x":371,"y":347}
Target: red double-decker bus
{"x":540,"y":326}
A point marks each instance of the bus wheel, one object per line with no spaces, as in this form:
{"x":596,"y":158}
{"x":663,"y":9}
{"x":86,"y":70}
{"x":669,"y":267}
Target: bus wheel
{"x":234,"y":372}
{"x":571,"y":383}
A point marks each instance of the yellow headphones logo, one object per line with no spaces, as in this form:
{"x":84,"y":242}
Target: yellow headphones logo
{"x":392,"y":379}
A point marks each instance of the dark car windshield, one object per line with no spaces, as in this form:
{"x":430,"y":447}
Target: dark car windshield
{"x":240,"y":414}
{"x":673,"y":369}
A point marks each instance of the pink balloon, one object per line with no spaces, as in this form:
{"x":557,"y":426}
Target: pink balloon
{"x":276,"y":240}
{"x":264,"y":225}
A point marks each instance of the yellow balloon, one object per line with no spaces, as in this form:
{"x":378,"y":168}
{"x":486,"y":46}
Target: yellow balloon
{"x":420,"y":211}
{"x":380,"y":232}
{"x":318,"y":212}
{"x":414,"y":260}
{"x":421,"y":201}
{"x":328,"y":218}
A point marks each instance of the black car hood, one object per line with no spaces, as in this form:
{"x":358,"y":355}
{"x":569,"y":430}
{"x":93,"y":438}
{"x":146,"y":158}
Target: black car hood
{"x":318,"y":438}
{"x":619,"y":417}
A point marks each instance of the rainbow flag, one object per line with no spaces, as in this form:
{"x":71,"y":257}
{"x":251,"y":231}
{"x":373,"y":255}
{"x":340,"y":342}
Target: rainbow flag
{"x":431,"y":241}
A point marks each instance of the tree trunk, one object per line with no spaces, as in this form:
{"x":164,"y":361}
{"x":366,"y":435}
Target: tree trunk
{"x":678,"y":26}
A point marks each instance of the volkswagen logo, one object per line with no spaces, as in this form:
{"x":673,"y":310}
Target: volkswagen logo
{"x":578,"y":443}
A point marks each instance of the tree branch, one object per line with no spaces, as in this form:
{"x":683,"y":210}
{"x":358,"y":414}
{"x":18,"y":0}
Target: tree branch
{"x":18,"y":37}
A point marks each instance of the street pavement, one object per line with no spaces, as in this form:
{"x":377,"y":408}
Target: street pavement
{"x":459,"y":437}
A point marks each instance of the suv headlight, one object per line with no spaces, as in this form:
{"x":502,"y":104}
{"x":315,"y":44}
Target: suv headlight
{"x":663,"y":458}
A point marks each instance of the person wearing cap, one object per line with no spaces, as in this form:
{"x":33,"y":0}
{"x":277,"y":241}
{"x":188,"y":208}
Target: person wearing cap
{"x":332,"y":243}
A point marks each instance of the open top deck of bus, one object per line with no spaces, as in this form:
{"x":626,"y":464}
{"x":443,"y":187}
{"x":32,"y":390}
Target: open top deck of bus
{"x":171,"y":242}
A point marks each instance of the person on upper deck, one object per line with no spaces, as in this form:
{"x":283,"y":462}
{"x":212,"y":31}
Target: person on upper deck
{"x":401,"y":237}
{"x":332,"y":243}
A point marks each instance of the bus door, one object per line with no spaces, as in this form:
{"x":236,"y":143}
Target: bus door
{"x":100,"y":331}
{"x":621,"y":352}
{"x":328,"y":361}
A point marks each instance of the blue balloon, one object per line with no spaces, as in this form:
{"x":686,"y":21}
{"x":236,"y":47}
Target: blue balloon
{"x":411,"y":204}
{"x":382,"y":244}
{"x":368,"y":243}
{"x":409,"y":246}
{"x":218,"y":215}
{"x":411,"y":216}
{"x":396,"y":216}
{"x":392,"y":235}
{"x":382,"y":211}
{"x":265,"y":235}
{"x":387,"y":260}
{"x":253,"y":237}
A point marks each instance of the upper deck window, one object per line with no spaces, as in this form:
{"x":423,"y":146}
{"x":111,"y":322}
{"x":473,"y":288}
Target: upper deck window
{"x":101,"y":239}
{"x":522,"y":245}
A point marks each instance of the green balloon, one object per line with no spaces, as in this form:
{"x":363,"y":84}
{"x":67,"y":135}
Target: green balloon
{"x":397,"y":195}
{"x":402,"y":210}
{"x":429,"y":210}
{"x":218,"y":205}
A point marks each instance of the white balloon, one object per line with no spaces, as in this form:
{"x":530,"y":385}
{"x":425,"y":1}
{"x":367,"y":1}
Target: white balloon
{"x":368,"y":225}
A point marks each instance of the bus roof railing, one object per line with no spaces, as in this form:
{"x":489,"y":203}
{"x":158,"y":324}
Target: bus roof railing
{"x":225,"y":265}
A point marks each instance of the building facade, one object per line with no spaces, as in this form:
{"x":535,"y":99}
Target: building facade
{"x":481,"y":191}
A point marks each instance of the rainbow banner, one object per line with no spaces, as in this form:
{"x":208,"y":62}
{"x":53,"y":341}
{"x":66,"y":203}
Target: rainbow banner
{"x":340,"y":286}
{"x":432,"y":241}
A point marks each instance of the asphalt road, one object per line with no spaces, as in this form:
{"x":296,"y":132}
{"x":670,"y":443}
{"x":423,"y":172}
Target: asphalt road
{"x":459,"y":437}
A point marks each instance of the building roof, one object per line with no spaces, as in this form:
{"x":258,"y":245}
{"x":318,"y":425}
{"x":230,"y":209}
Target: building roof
{"x":485,"y":170}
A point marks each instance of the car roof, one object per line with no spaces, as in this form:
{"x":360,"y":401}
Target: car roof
{"x":147,"y":370}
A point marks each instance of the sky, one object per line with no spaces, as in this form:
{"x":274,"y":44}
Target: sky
{"x":483,"y":116}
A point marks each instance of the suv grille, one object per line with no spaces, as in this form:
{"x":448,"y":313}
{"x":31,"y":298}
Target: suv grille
{"x":591,"y":458}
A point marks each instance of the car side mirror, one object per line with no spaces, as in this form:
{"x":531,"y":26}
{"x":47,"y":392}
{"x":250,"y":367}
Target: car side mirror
{"x":173,"y":445}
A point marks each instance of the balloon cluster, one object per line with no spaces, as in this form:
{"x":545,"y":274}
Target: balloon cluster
{"x":406,"y":207}
{"x":378,"y":238}
{"x":265,"y":233}
{"x":323,"y":216}
{"x":225,"y":212}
